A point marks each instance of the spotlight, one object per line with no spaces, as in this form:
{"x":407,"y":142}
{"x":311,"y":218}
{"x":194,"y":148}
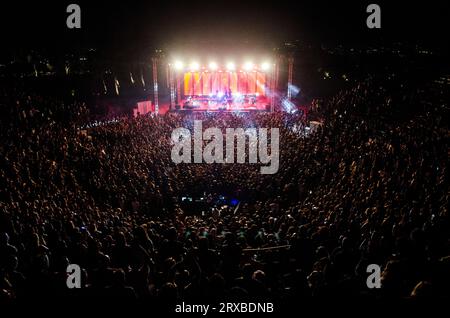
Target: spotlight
{"x":248,"y":66}
{"x":194,"y":66}
{"x":288,"y":106}
{"x":213,"y":66}
{"x":265,"y":66}
{"x":178,"y":65}
{"x":230,"y":66}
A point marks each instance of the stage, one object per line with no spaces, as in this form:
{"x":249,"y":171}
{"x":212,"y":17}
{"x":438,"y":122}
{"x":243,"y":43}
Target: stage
{"x":225,"y":86}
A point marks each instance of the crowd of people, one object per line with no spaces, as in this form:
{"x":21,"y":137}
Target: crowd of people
{"x":369,"y":186}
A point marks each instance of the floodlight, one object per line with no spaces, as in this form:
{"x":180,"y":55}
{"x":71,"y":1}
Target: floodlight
{"x":248,"y":66}
{"x":265,"y":66}
{"x":213,"y":66}
{"x":194,"y":66}
{"x":178,"y":65}
{"x":230,"y":66}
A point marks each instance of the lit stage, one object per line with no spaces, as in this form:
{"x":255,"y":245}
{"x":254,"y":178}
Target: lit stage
{"x":221,"y":87}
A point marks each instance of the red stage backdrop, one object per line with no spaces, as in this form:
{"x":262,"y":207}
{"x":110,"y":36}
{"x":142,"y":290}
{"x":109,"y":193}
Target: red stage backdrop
{"x":206,"y":83}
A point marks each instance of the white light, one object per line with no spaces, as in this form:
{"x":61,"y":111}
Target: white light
{"x":194,"y":66}
{"x":178,"y":65}
{"x":288,"y":106}
{"x":248,"y":66}
{"x":230,"y":66}
{"x":265,"y":66}
{"x":213,"y":66}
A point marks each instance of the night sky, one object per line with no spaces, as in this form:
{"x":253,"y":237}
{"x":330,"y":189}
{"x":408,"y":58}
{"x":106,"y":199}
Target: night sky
{"x":134,"y":24}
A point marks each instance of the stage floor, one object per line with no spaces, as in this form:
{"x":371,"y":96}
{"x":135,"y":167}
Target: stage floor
{"x":232,"y":105}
